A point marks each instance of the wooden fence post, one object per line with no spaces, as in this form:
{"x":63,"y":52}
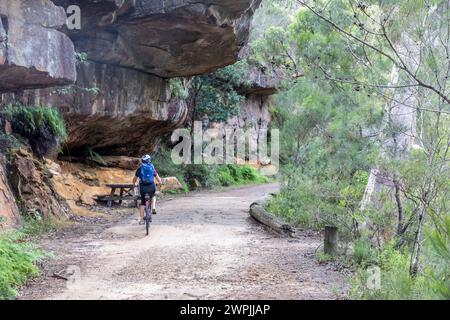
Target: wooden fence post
{"x":330,"y":245}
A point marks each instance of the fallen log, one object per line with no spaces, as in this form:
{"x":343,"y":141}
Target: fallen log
{"x":261,"y":215}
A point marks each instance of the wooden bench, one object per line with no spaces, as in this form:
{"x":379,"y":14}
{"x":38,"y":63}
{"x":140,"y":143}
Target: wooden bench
{"x":126,"y":192}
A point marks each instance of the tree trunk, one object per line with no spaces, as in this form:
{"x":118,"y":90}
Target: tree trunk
{"x":397,"y":134}
{"x":399,"y":207}
{"x":417,"y":248}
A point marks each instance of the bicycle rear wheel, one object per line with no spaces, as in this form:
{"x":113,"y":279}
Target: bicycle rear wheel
{"x":148,"y":218}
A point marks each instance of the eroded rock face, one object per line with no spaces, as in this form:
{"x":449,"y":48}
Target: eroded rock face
{"x":121,"y":162}
{"x":255,"y":109}
{"x":80,"y":184}
{"x":254,"y":117}
{"x":255,"y":114}
{"x":126,"y":114}
{"x":168,"y":38}
{"x":9,"y":213}
{"x":131,"y":47}
{"x":32,"y":183}
{"x":33,"y":53}
{"x":262,"y":82}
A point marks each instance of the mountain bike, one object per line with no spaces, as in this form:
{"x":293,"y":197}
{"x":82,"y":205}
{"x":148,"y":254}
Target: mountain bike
{"x":150,"y":204}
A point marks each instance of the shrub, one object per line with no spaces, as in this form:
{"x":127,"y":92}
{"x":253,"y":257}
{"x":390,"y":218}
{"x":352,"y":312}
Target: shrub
{"x":313,"y":202}
{"x":218,"y":95}
{"x":396,"y":283}
{"x":204,"y":174}
{"x":251,"y":174}
{"x":42,"y":126}
{"x":236,"y":174}
{"x":8,"y":142}
{"x":209,"y":176}
{"x":282,"y":207}
{"x":323,"y":257}
{"x":225,"y":177}
{"x":248,"y":173}
{"x":17,"y":263}
{"x":167,"y":168}
{"x":363,"y":252}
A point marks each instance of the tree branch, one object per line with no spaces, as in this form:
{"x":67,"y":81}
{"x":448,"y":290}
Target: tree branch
{"x":399,"y":63}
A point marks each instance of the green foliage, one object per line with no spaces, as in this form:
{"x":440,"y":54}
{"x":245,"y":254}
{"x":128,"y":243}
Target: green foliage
{"x":314,"y":202}
{"x":363,"y":253}
{"x":95,"y":156}
{"x":70,"y":90}
{"x":323,"y":257}
{"x":204,"y":174}
{"x":35,"y":227}
{"x":209,"y":176}
{"x":166,"y":168}
{"x":81,"y":57}
{"x":178,"y":89}
{"x":225,"y":177}
{"x":19,"y":256}
{"x":41,"y":125}
{"x":333,"y":127}
{"x":236,"y":175}
{"x":8,"y":143}
{"x":270,"y":44}
{"x":233,"y":76}
{"x":217,"y":95}
{"x":17,"y":263}
{"x":218,"y":105}
{"x":438,"y":257}
{"x":30,"y":118}
{"x":396,"y":282}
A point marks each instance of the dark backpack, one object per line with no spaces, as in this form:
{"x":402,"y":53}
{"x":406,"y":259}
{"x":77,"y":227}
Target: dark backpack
{"x":147,"y":174}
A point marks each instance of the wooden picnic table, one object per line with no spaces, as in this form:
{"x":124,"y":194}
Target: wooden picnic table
{"x":126,"y":192}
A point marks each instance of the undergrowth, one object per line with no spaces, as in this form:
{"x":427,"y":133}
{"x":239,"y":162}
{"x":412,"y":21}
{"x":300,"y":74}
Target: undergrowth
{"x":43,"y":126}
{"x":19,"y":256}
{"x":207,"y":176}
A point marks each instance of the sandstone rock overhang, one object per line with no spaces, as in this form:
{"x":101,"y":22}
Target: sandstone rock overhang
{"x":261,"y":82}
{"x":33,"y":53}
{"x":121,"y":102}
{"x":126,"y":115}
{"x":168,"y":38}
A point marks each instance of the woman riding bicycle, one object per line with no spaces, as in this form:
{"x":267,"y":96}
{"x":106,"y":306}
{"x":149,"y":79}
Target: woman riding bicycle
{"x":147,"y":174}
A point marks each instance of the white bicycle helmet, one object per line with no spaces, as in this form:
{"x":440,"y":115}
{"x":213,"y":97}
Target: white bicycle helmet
{"x":147,"y":158}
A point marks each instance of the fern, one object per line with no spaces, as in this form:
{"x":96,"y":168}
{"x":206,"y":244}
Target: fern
{"x":96,"y":156}
{"x":17,"y":263}
{"x":29,"y":119}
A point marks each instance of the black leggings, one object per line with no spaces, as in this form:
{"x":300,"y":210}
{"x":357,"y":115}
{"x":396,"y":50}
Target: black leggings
{"x":147,"y":189}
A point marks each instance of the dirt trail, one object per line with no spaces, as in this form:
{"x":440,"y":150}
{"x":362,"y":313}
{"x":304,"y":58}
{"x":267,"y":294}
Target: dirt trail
{"x":202,"y":246}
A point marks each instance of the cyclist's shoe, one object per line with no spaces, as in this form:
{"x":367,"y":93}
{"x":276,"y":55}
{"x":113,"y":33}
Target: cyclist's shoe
{"x":154,"y":211}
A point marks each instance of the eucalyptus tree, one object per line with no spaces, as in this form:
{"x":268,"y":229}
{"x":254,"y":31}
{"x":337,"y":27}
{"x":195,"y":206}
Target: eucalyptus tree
{"x":412,"y":37}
